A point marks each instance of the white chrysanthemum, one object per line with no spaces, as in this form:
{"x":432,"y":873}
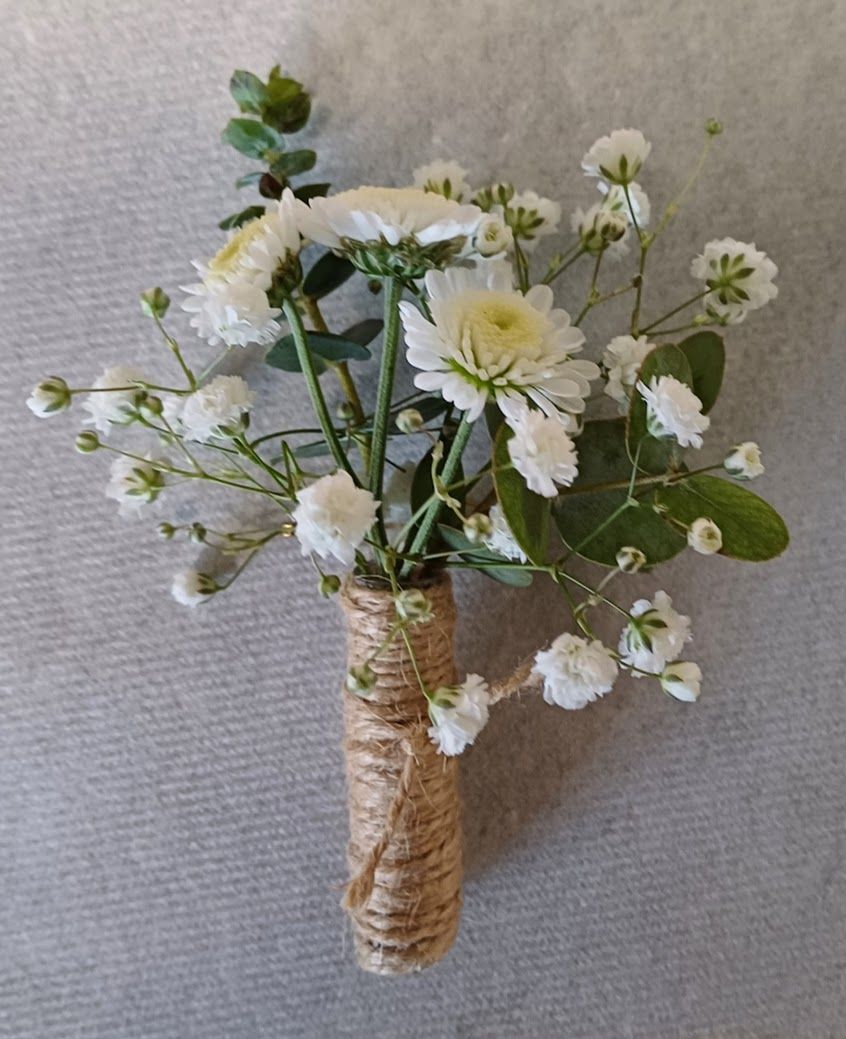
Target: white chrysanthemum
{"x":500,"y":538}
{"x":216,"y":409}
{"x":542,"y":452}
{"x":486,"y":341}
{"x":133,"y":482}
{"x":683,"y":680}
{"x":615,"y":200}
{"x":655,"y":636}
{"x":115,"y":403}
{"x":333,"y":516}
{"x":458,"y":715}
{"x":673,"y":410}
{"x":386,"y":216}
{"x":575,"y":672}
{"x":622,"y":359}
{"x":191,"y":588}
{"x":617,"y":157}
{"x":493,"y":236}
{"x":704,"y":536}
{"x":743,"y":462}
{"x":739,"y":276}
{"x":601,"y":229}
{"x":443,"y":177}
{"x":532,"y":217}
{"x":235,"y":312}
{"x":49,"y":397}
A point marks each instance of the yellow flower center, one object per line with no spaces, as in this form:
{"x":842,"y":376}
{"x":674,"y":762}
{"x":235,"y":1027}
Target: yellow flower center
{"x":499,"y":328}
{"x":226,"y":260}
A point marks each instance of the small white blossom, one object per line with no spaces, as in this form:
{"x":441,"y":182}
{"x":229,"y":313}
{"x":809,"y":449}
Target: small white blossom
{"x":601,"y":228}
{"x":216,"y":409}
{"x":500,"y":538}
{"x":739,"y":277}
{"x":458,"y":715}
{"x":575,"y":672}
{"x":443,"y":177}
{"x":616,"y":201}
{"x":656,"y":635}
{"x":493,"y":236}
{"x":630,"y":559}
{"x":543,"y":452}
{"x":743,"y":462}
{"x":704,"y":536}
{"x":333,"y":516}
{"x":617,"y":157}
{"x":134,"y":482}
{"x":115,"y":403}
{"x":49,"y":397}
{"x":622,"y":359}
{"x":673,"y":410}
{"x":413,"y":606}
{"x":235,"y":313}
{"x":409,"y":420}
{"x":191,"y":588}
{"x":682,"y":680}
{"x":477,"y":528}
{"x":532,"y":217}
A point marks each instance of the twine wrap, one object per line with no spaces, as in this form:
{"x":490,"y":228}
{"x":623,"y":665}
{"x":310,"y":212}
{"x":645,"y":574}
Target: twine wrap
{"x":404,"y":854}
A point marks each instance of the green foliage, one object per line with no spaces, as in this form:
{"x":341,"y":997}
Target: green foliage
{"x":603,"y":459}
{"x":237,"y":219}
{"x":308,"y":191}
{"x":287,"y":106}
{"x":364,"y":332}
{"x":249,"y":92}
{"x":483,"y":560}
{"x":328,"y":274}
{"x":252,"y":138}
{"x":654,"y":453}
{"x":706,"y":356}
{"x":526,"y":513}
{"x":290,"y":164}
{"x":752,"y":530}
{"x":324,"y":346}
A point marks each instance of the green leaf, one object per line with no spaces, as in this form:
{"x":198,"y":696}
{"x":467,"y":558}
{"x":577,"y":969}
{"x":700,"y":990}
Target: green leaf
{"x":308,"y":191}
{"x":251,"y":137}
{"x":483,"y":560}
{"x":706,"y":355}
{"x":365,"y":331}
{"x":324,"y":346}
{"x":654,"y":453}
{"x":289,"y":164}
{"x":751,"y":529}
{"x":603,"y":459}
{"x":249,"y":179}
{"x":237,"y":219}
{"x":248,"y":90}
{"x":328,"y":274}
{"x":287,"y":106}
{"x":526,"y":513}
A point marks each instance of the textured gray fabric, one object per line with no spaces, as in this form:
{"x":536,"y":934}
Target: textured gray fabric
{"x":172,"y":815}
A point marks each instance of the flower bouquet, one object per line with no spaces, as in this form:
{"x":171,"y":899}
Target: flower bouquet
{"x":581,"y":460}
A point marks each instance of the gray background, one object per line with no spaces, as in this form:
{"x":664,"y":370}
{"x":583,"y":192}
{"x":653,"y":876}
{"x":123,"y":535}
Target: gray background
{"x":172,"y":813}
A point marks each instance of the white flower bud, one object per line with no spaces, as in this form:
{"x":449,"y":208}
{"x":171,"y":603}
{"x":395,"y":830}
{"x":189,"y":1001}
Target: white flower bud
{"x":413,"y":606}
{"x":477,"y":527}
{"x":409,"y":420}
{"x":165,"y":531}
{"x":151,"y":408}
{"x":197,"y":533}
{"x":154,"y":302}
{"x":704,"y":536}
{"x":743,"y":462}
{"x":329,"y":585}
{"x":361,"y":679}
{"x":86,"y":442}
{"x":630,"y":559}
{"x":493,"y":236}
{"x":191,"y":588}
{"x":49,"y":397}
{"x":682,"y":680}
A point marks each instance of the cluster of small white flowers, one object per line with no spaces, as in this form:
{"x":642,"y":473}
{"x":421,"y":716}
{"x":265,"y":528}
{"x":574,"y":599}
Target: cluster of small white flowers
{"x":500,"y":538}
{"x":333,"y":516}
{"x":532,"y":217}
{"x":673,"y":410}
{"x":622,"y":359}
{"x":114,"y":398}
{"x":458,"y":714}
{"x":655,"y":635}
{"x":739,"y":278}
{"x":575,"y":672}
{"x":543,"y":452}
{"x":134,"y":482}
{"x":216,"y":409}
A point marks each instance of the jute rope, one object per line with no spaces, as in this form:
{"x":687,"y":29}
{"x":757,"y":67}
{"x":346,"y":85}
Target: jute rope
{"x":404,"y":854}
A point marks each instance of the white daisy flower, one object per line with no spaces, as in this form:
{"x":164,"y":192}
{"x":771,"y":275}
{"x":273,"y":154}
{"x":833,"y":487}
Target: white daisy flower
{"x":739,"y":276}
{"x":532,"y":217}
{"x":443,"y":177}
{"x":216,"y":409}
{"x":115,"y":403}
{"x":542,"y":452}
{"x":49,"y":397}
{"x":500,"y":538}
{"x":575,"y":672}
{"x":235,"y":313}
{"x":673,"y":410}
{"x":683,"y":680}
{"x":263,"y":247}
{"x":654,"y":636}
{"x":704,"y":536}
{"x":617,"y":157}
{"x":191,"y":588}
{"x":333,"y":516}
{"x":743,"y":462}
{"x":134,"y":482}
{"x":486,"y":341}
{"x":622,"y":359}
{"x":458,"y":714}
{"x":615,"y":200}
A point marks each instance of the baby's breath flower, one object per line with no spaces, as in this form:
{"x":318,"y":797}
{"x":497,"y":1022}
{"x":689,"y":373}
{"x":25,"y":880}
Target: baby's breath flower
{"x":500,"y":538}
{"x":673,"y":410}
{"x":655,"y":635}
{"x":704,"y":536}
{"x":493,"y":237}
{"x":49,"y":397}
{"x":155,"y":302}
{"x":329,"y":585}
{"x":575,"y":672}
{"x":617,"y":157}
{"x":477,"y":527}
{"x":531,"y":218}
{"x":409,"y":420}
{"x":622,"y":359}
{"x":443,"y":177}
{"x":458,"y":714}
{"x":682,"y":680}
{"x":743,"y":462}
{"x":116,"y":400}
{"x":217,"y":409}
{"x":191,"y":588}
{"x":616,"y":201}
{"x":333,"y":516}
{"x":630,"y":559}
{"x":134,"y":482}
{"x":413,"y":606}
{"x":600,"y":227}
{"x":542,"y":452}
{"x":739,"y":277}
{"x":86,"y":441}
{"x":361,"y":680}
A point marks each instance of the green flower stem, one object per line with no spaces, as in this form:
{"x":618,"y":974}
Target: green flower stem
{"x":522,"y":265}
{"x":313,"y":383}
{"x":462,"y":435}
{"x":674,"y":204}
{"x":682,"y":328}
{"x":381,"y":416}
{"x":340,"y":368}
{"x":675,"y":310}
{"x":550,"y":276}
{"x":177,"y":353}
{"x":593,"y":297}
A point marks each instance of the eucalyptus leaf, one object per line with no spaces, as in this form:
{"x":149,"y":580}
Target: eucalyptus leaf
{"x":308,"y":191}
{"x":287,"y":106}
{"x":706,"y":355}
{"x":654,"y":453}
{"x":251,"y":137}
{"x":526,"y":513}
{"x":483,"y":560}
{"x":752,"y":530}
{"x":249,"y":92}
{"x":288,"y":164}
{"x":324,"y":346}
{"x":237,"y":219}
{"x":328,"y":274}
{"x":364,"y":332}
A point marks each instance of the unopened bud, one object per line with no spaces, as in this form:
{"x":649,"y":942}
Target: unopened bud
{"x":409,"y":420}
{"x":345,"y":411}
{"x":683,"y":680}
{"x":151,"y":407}
{"x":329,"y":585}
{"x":197,"y":533}
{"x":413,"y":606}
{"x":713,"y":127}
{"x":165,"y":531}
{"x":87,"y":441}
{"x":154,"y":302}
{"x":630,"y":559}
{"x":49,"y":397}
{"x":361,"y":679}
{"x":704,"y":536}
{"x":477,"y":527}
